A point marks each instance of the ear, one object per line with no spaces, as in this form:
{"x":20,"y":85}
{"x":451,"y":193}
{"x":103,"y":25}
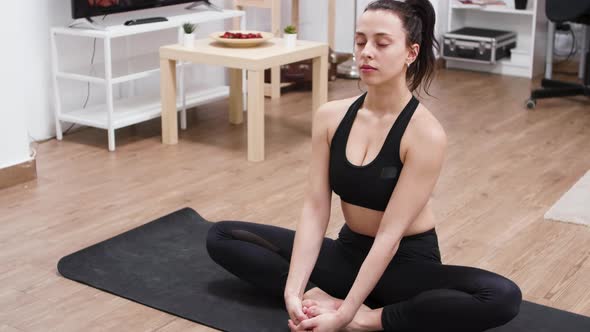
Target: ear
{"x":413,"y":53}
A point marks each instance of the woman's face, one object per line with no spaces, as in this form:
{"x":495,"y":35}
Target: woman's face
{"x":380,"y":42}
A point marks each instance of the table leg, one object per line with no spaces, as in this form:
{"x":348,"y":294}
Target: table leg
{"x":319,"y":83}
{"x":236,"y":107}
{"x":168,"y":95}
{"x":275,"y":72}
{"x":256,"y":115}
{"x":295,"y":13}
{"x":331,"y":23}
{"x":275,"y":82}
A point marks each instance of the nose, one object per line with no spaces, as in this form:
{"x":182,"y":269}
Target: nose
{"x":368,"y":52}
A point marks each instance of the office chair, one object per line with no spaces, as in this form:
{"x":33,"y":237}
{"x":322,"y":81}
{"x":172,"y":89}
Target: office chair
{"x":576,"y":11}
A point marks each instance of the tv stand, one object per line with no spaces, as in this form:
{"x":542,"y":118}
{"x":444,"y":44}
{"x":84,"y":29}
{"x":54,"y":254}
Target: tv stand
{"x":86,"y":23}
{"x":205,"y":3}
{"x":114,"y":72}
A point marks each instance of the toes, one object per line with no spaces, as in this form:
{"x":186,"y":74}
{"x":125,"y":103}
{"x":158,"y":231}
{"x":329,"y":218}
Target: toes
{"x":315,"y":311}
{"x":309,"y":303}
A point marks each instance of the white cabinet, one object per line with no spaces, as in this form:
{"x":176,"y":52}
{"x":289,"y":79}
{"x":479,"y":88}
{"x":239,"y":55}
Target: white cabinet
{"x":530,"y":25}
{"x":118,"y":113}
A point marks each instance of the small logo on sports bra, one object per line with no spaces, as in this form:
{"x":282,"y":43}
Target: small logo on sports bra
{"x":389,"y":172}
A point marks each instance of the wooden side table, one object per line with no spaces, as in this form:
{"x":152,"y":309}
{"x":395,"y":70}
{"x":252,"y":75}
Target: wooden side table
{"x":254,"y":60}
{"x":273,"y":89}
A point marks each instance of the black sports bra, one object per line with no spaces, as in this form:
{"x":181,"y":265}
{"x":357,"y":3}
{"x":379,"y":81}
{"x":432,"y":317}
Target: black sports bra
{"x":369,"y":185}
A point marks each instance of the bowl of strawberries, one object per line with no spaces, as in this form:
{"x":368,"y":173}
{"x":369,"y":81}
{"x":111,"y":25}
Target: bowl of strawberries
{"x":241,"y":38}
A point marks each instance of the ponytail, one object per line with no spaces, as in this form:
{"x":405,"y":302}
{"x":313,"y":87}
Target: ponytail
{"x":423,"y":69}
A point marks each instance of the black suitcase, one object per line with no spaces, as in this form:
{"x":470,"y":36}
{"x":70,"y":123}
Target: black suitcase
{"x":478,"y":45}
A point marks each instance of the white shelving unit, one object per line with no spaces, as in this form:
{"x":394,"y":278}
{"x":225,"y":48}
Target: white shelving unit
{"x":530,"y":25}
{"x":119,"y":113}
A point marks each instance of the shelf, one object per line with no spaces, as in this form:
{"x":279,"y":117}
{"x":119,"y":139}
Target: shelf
{"x":124,"y":70}
{"x":527,"y":60}
{"x":503,"y":67}
{"x":137,"y":109}
{"x":512,"y":63}
{"x":519,"y":57}
{"x":116,"y":28}
{"x":493,"y":9}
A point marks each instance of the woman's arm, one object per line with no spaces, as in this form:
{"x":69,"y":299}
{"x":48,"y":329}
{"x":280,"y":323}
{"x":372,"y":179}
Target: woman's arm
{"x":315,"y":215}
{"x":422,"y":166}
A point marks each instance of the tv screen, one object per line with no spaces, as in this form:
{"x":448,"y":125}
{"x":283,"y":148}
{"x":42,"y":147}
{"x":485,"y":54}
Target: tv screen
{"x":88,"y":8}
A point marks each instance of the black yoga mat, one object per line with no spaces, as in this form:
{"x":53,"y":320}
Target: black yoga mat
{"x":164,"y":264}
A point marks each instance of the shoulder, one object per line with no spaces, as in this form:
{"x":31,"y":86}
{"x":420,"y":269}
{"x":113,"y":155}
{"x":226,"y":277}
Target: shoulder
{"x":334,"y":107}
{"x":425,"y":133}
{"x":329,"y":115}
{"x":429,"y":129}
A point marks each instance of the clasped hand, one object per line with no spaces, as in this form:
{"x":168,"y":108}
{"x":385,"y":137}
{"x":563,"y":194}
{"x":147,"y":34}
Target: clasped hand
{"x":300,"y":321}
{"x":326,"y":322}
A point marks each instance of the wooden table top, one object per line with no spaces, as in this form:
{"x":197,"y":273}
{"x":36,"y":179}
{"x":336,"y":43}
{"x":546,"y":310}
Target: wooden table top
{"x":269,"y":54}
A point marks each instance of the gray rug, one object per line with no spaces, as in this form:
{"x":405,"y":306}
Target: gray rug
{"x":164,"y":265}
{"x":574,"y":205}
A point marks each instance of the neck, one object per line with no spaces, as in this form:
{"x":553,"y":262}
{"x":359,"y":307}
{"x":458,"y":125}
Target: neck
{"x":389,"y":97}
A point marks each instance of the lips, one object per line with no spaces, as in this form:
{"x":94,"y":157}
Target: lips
{"x":367,"y":67}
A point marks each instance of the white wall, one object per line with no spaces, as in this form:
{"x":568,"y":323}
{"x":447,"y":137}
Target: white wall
{"x":15,"y":84}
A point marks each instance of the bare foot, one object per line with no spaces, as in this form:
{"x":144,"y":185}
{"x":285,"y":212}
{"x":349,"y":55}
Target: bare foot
{"x":316,"y":296}
{"x":325,"y":300}
{"x":316,"y":302}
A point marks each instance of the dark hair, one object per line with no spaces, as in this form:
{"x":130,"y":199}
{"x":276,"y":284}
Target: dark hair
{"x":418,"y":20}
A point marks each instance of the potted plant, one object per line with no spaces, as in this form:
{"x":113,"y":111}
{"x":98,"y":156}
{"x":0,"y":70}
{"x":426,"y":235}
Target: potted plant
{"x":290,"y":36}
{"x":189,"y":34}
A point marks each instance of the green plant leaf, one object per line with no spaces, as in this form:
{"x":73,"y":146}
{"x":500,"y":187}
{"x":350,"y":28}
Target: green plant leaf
{"x":290,"y":29}
{"x":189,"y":27}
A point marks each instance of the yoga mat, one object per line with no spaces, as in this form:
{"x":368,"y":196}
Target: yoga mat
{"x":164,"y":265}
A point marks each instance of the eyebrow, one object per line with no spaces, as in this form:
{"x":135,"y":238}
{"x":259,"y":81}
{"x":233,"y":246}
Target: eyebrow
{"x":380,"y":34}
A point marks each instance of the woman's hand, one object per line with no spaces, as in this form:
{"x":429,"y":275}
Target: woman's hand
{"x":295,"y":308}
{"x":326,"y":322}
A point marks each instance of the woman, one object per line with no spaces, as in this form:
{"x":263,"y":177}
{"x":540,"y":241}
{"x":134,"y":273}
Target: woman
{"x":382,"y":153}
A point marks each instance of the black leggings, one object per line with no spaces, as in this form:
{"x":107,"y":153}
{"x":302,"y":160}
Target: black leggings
{"x":417,"y":292}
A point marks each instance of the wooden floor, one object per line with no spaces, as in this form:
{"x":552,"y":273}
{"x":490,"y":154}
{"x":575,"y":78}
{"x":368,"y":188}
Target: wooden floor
{"x":505,"y":167}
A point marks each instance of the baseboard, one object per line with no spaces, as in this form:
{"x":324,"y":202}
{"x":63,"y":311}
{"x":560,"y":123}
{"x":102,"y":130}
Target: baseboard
{"x":18,"y":174}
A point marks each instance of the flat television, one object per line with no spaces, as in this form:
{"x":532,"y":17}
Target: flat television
{"x":89,"y":8}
